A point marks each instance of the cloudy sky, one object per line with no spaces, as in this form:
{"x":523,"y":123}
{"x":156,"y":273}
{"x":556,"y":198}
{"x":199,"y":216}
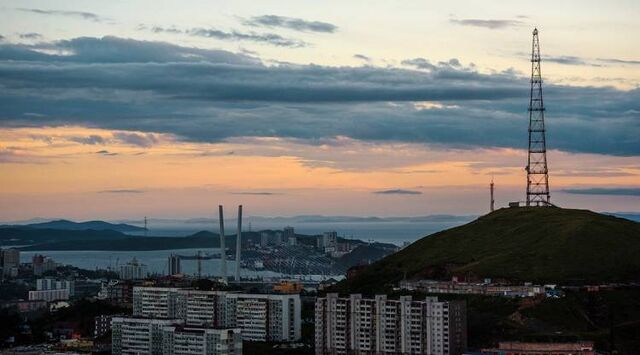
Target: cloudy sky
{"x":121,"y":109}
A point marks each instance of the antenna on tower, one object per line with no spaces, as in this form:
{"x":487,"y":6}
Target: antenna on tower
{"x":537,"y":170}
{"x":145,"y":226}
{"x":493,"y":201}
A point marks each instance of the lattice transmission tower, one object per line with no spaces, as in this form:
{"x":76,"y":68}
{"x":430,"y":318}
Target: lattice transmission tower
{"x":537,"y":170}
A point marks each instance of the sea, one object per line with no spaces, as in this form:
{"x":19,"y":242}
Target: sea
{"x":398,"y":233}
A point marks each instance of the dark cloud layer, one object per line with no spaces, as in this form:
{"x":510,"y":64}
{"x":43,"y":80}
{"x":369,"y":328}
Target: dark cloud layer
{"x":605,"y":191}
{"x":90,"y":140}
{"x":122,"y":191}
{"x":362,"y":57}
{"x":234,"y":35}
{"x":269,"y":38}
{"x":256,"y":193}
{"x":140,"y":140}
{"x":115,"y":50}
{"x":292,"y":23}
{"x":30,"y":35}
{"x":491,"y":24}
{"x":567,"y":59}
{"x":78,"y":14}
{"x":398,"y":192}
{"x":213,"y":95}
{"x":619,"y":61}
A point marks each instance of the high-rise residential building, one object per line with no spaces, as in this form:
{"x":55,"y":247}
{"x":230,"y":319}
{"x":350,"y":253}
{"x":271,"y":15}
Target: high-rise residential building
{"x":173,"y":264}
{"x":264,"y":239}
{"x":289,"y":235}
{"x":133,"y":270}
{"x":260,"y":317}
{"x":155,"y":302}
{"x":9,"y":261}
{"x":49,"y":295}
{"x":131,"y":335}
{"x":117,"y":292}
{"x":516,"y":348}
{"x":278,"y":239}
{"x":53,"y":284}
{"x":179,"y":340}
{"x":329,"y":241}
{"x":102,"y":325}
{"x":41,"y":264}
{"x":383,"y":326}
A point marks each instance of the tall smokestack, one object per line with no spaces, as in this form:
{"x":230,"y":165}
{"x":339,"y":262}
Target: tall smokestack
{"x":223,"y":251}
{"x":238,"y":244}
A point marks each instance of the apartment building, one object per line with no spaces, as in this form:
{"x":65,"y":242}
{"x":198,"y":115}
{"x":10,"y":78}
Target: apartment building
{"x":260,"y":317}
{"x":179,"y":340}
{"x":139,"y":336}
{"x":133,"y":270}
{"x":49,"y":295}
{"x":357,"y":325}
{"x":144,"y":336}
{"x":517,"y":348}
{"x":9,"y":262}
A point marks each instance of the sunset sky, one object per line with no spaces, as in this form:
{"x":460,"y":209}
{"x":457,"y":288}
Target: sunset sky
{"x":124,"y":109}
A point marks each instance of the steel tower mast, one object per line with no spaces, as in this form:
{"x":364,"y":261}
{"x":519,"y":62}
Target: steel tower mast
{"x":493,"y":201}
{"x":537,"y":171}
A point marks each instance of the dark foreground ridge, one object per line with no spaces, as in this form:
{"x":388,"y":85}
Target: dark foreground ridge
{"x":546,"y":245}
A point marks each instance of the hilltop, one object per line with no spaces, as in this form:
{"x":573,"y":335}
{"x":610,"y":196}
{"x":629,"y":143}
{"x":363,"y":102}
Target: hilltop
{"x":550,"y":245}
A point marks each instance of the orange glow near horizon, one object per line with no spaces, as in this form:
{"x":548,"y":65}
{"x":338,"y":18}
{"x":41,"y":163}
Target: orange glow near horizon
{"x":59,"y":161}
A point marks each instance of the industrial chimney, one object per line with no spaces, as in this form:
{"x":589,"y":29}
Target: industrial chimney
{"x":223,"y":251}
{"x":238,"y":244}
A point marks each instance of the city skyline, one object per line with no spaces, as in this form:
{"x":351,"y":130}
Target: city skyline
{"x":113,"y":112}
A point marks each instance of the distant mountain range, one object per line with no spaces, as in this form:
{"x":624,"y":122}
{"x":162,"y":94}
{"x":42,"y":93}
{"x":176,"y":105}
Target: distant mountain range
{"x":63,"y":224}
{"x":21,"y":235}
{"x":317,"y":219}
{"x":129,"y":225}
{"x":60,"y":231}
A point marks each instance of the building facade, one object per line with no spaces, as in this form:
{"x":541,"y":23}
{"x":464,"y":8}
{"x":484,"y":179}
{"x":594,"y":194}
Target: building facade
{"x":133,"y":270}
{"x":49,"y":295}
{"x":53,"y":284}
{"x":517,"y":348}
{"x":140,"y":336}
{"x":173,"y":265}
{"x":289,"y":236}
{"x":41,"y":264}
{"x":179,"y":340}
{"x":101,"y":325}
{"x":260,"y":317}
{"x":356,"y":325}
{"x":144,"y":336}
{"x":9,"y":261}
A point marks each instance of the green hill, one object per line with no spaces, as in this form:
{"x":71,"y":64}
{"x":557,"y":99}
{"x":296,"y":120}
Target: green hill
{"x":551,"y":245}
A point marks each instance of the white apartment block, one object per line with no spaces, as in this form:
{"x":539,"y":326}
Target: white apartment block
{"x":49,"y":295}
{"x":356,"y":325}
{"x":178,"y":340}
{"x":138,"y":336}
{"x":133,"y":270}
{"x":260,"y":317}
{"x":143,"y":336}
{"x":53,"y":284}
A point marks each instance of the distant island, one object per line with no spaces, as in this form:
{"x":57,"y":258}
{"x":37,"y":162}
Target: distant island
{"x":63,"y":224}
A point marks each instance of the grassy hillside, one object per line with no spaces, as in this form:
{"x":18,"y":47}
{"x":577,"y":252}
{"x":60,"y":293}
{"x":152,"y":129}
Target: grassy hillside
{"x":523,"y":244}
{"x":25,"y":235}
